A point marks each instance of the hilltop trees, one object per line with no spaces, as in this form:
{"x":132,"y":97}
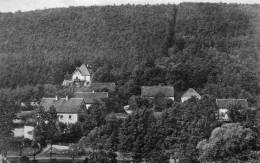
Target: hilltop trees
{"x":230,"y":142}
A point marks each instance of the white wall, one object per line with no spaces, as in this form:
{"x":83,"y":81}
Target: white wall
{"x":223,"y":114}
{"x":184,"y":99}
{"x":87,"y":106}
{"x":68,"y":118}
{"x":18,"y":132}
{"x":78,"y":75}
{"x":172,"y":98}
{"x":28,"y":132}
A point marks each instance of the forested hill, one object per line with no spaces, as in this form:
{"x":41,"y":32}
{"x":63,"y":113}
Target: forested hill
{"x":211,"y":47}
{"x":50,"y":41}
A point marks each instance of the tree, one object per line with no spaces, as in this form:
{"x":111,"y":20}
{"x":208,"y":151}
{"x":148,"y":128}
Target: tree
{"x":75,"y":151}
{"x":46,"y":130}
{"x":195,"y":121}
{"x":229,"y":142}
{"x":8,"y":108}
{"x":135,"y":134}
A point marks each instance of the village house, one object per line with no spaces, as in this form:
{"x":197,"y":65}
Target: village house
{"x":23,"y":125}
{"x":224,"y":104}
{"x":153,"y":91}
{"x":189,"y":94}
{"x":91,"y":98}
{"x":68,"y":109}
{"x":81,"y":81}
{"x":81,"y":76}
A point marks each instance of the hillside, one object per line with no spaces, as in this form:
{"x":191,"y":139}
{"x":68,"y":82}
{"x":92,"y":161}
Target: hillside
{"x":50,"y":41}
{"x":211,"y":47}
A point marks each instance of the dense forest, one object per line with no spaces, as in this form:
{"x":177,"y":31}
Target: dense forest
{"x":213,"y":48}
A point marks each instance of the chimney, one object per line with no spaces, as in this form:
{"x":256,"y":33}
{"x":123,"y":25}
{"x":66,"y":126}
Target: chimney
{"x":56,"y":98}
{"x":67,"y":98}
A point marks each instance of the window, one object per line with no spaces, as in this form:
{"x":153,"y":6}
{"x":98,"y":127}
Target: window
{"x":69,"y":116}
{"x":61,"y":116}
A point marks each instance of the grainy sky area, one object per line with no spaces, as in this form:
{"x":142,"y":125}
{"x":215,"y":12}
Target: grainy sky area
{"x":27,"y":5}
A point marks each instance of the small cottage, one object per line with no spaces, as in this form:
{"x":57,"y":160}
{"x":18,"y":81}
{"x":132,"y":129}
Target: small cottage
{"x":81,"y":76}
{"x":68,"y":109}
{"x":189,"y":94}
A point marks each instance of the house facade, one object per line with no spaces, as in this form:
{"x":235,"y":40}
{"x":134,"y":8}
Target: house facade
{"x":153,"y":91}
{"x":224,"y":104}
{"x":189,"y":94}
{"x":68,"y":109}
{"x":80,"y":77}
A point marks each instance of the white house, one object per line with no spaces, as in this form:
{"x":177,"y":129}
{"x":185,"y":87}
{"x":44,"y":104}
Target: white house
{"x":189,"y":94}
{"x":81,"y":73}
{"x":223,"y":105}
{"x":68,"y":109}
{"x":81,"y":76}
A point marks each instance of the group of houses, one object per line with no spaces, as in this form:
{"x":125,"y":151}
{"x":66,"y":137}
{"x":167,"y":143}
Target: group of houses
{"x":88,"y":93}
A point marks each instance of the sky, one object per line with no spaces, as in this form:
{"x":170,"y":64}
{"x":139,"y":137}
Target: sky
{"x":27,"y":5}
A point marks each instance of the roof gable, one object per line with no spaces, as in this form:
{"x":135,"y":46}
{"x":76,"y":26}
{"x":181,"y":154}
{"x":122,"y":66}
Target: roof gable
{"x":152,"y":91}
{"x":91,"y":97}
{"x":72,"y":105}
{"x":83,"y":70}
{"x":190,"y":93}
{"x":225,"y":103}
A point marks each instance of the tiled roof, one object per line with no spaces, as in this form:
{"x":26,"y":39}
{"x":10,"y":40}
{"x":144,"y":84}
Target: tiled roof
{"x":224,"y":103}
{"x":72,"y":105}
{"x":151,"y":91}
{"x":91,"y":97}
{"x":83,"y":70}
{"x":97,"y":87}
{"x":191,"y":92}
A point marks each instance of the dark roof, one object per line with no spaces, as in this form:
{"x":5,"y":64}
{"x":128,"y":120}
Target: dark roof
{"x":72,"y":105}
{"x":224,"y":103}
{"x":91,"y":97}
{"x":151,"y":91}
{"x":83,"y":70}
{"x":191,"y":92}
{"x":96,"y":87}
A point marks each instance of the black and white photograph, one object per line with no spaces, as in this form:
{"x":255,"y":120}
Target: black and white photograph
{"x":129,"y":81}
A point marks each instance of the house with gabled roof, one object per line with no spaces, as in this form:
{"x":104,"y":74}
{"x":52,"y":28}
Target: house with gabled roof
{"x":68,"y":109}
{"x":91,"y":98}
{"x":152,"y":91}
{"x":81,"y":76}
{"x":189,"y":94}
{"x":224,"y":104}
